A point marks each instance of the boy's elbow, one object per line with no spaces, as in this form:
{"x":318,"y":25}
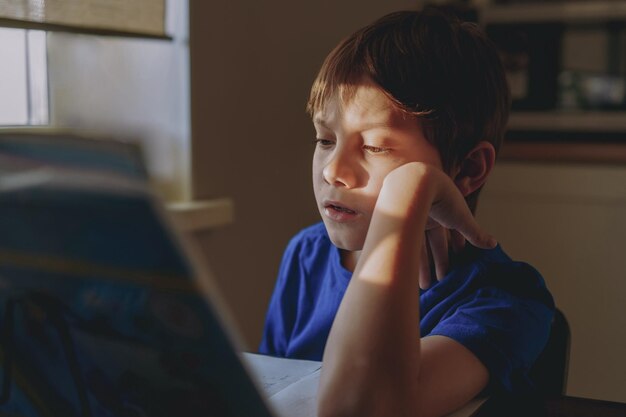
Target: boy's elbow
{"x":366,"y":388}
{"x":341,"y":400}
{"x":375,"y":402}
{"x":341,"y":405}
{"x":331,"y":408}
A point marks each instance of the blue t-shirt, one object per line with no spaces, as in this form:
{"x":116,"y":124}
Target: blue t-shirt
{"x":497,"y":308}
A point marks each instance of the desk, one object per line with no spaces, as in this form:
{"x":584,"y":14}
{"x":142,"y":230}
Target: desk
{"x":557,"y":407}
{"x":579,"y":407}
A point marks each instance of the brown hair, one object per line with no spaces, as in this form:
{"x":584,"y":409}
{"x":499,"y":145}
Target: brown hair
{"x":431,"y":66}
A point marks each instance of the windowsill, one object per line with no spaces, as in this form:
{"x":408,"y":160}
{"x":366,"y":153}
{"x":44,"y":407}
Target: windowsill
{"x":198,"y":216}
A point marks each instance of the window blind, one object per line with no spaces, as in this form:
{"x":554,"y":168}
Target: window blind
{"x":140,"y":18}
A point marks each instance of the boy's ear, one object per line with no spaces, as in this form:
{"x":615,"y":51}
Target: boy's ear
{"x":473,"y":170}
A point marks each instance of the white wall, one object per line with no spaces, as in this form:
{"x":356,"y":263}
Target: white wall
{"x":569,"y":221}
{"x":133,"y":89}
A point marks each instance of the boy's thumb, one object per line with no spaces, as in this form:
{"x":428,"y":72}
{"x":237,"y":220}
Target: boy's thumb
{"x":478,"y":237}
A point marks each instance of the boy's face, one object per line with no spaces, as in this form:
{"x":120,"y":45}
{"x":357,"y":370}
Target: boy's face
{"x":358,"y":143}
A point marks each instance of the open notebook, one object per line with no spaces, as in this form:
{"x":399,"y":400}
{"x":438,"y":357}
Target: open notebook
{"x":105,"y":310}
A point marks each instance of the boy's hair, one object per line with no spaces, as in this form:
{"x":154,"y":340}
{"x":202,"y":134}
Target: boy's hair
{"x":431,"y":66}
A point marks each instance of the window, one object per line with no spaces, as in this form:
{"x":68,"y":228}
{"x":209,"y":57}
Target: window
{"x":128,"y":86}
{"x":23,"y":78}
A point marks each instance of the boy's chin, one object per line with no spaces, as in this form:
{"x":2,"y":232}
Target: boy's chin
{"x":346,"y":240}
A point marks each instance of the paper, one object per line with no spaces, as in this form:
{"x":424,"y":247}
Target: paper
{"x":298,"y":399}
{"x":276,"y":374}
{"x":289,"y":384}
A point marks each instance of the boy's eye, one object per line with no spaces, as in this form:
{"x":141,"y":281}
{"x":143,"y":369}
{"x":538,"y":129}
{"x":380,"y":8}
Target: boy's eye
{"x":375,"y":150}
{"x":324,"y":143}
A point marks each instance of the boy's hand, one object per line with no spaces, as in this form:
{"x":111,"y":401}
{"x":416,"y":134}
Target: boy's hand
{"x":436,"y":252}
{"x":450,"y":221}
{"x":450,"y":210}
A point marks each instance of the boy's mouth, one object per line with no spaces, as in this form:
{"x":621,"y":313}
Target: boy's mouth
{"x":341,"y":208}
{"x":338,"y":212}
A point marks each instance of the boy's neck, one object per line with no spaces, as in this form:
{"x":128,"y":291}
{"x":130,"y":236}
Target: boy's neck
{"x":349,"y":259}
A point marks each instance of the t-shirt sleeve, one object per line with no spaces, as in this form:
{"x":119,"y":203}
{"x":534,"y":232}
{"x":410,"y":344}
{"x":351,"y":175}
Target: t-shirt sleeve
{"x":505,"y":327}
{"x":282,"y":309}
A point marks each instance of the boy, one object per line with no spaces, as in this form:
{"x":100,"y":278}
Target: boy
{"x":409,"y":113}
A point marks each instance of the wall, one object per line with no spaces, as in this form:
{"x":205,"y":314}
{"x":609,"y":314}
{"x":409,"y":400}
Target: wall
{"x":569,"y":222}
{"x":13,"y":89}
{"x":132,"y":89}
{"x":252,"y":64}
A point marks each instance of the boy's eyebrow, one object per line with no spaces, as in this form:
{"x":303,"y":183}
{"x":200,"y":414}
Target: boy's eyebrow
{"x":319,"y":121}
{"x":372,"y":125}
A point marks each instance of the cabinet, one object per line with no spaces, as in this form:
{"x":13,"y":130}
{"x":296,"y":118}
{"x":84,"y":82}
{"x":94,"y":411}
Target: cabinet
{"x":566,"y":63}
{"x":567,"y":220}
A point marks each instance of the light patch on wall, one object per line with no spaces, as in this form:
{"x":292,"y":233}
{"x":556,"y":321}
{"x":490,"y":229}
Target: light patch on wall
{"x":131,"y":89}
{"x":23,"y":78}
{"x":13,"y":88}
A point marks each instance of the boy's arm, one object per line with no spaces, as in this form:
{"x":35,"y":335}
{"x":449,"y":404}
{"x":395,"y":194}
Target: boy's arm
{"x":375,"y":363}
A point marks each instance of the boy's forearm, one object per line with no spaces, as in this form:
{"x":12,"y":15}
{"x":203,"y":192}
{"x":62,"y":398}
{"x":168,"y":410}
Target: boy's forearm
{"x":371,"y":361}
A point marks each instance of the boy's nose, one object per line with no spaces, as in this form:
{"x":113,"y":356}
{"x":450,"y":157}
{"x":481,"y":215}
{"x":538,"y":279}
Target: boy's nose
{"x":339,"y":171}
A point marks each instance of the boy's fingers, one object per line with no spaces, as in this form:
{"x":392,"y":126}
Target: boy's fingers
{"x":480,"y":238}
{"x":450,"y":210}
{"x":457,"y":241}
{"x":424,"y":268}
{"x":438,"y":242}
{"x":490,"y":242}
{"x":471,"y":230}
